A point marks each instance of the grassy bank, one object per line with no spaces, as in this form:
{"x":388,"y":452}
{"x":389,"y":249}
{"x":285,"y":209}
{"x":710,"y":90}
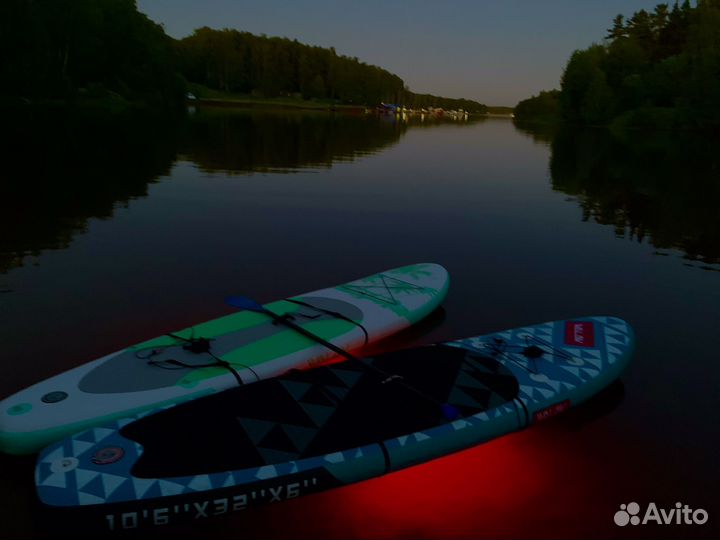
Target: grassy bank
{"x":208,"y":96}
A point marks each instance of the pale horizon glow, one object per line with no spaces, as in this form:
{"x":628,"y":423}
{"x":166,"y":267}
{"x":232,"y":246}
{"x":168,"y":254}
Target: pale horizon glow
{"x":497,"y":53}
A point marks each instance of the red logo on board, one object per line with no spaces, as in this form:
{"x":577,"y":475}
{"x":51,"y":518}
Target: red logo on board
{"x":551,"y":411}
{"x":108,"y":455}
{"x":579,"y":334}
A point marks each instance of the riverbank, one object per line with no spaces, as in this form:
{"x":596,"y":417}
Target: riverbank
{"x":274,"y":103}
{"x":199,"y":95}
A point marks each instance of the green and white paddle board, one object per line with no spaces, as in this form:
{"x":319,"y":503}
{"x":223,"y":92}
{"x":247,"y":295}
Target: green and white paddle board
{"x":214,"y":355}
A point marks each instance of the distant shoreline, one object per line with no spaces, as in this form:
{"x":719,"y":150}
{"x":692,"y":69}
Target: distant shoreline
{"x":113,"y":105}
{"x":308,"y":105}
{"x":273,"y":103}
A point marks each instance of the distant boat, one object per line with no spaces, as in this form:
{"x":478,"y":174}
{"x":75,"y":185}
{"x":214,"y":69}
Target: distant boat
{"x":387,"y":108}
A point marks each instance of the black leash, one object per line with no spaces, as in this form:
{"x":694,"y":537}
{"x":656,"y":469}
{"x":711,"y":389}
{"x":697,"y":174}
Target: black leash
{"x":198,"y":346}
{"x":335,"y":314}
{"x":448,"y":411}
{"x":531,"y":351}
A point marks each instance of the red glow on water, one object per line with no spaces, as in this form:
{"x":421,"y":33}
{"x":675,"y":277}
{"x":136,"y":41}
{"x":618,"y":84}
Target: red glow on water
{"x":521,"y":485}
{"x":450,"y":497}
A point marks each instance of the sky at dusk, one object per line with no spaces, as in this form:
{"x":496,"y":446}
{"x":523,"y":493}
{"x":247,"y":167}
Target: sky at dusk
{"x":496,"y":52}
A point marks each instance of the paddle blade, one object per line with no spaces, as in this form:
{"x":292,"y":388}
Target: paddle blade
{"x":450,"y":412}
{"x":243,"y":302}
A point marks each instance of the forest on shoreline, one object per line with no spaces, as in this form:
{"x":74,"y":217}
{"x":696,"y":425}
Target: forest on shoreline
{"x":108,"y":55}
{"x":657,"y":70}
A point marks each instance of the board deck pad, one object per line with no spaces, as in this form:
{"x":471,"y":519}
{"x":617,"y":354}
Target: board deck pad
{"x":333,"y":425}
{"x":319,"y":411}
{"x":243,"y":346}
{"x":122,"y":373}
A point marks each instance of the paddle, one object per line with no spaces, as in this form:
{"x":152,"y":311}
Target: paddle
{"x":248,"y":304}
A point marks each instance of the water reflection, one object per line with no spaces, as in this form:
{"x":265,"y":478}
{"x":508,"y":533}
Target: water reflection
{"x":242,"y":141}
{"x":61,"y":170}
{"x":656,"y":187}
{"x":245,"y":141}
{"x":540,"y":133}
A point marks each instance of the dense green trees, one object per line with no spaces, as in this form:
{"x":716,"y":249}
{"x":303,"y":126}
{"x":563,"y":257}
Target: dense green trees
{"x":233,"y":61}
{"x":419,"y":101}
{"x":240,"y":62}
{"x":106,"y":51}
{"x":69,"y":49}
{"x":656,"y":69}
{"x":543,"y":108}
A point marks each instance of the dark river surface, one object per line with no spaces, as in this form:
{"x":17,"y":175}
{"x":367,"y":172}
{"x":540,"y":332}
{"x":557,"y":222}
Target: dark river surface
{"x":115,"y":232}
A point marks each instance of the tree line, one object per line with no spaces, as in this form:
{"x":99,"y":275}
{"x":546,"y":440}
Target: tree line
{"x":78,"y":49}
{"x":240,"y":62}
{"x":70,"y":50}
{"x":656,"y":69}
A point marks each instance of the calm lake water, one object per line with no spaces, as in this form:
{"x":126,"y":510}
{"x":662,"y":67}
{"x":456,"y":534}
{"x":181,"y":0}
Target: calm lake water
{"x":115,"y":232}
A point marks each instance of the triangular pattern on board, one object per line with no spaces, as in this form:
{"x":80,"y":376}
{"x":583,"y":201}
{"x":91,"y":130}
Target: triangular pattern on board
{"x":300,"y":436}
{"x":42,"y":471}
{"x":618,"y":324}
{"x":318,"y":413}
{"x":268,"y":471}
{"x":595,"y":362}
{"x":200,"y":482}
{"x":87,"y":436}
{"x":573,"y":370}
{"x":58,"y":480}
{"x":153,"y":491}
{"x":87,"y":498}
{"x":348,"y":376}
{"x":256,"y":429}
{"x":102,"y":433}
{"x":610,"y":331}
{"x":54,"y":455}
{"x":317,"y":395}
{"x":95,"y":487}
{"x":80,"y":447}
{"x":83,"y":476}
{"x":613,"y":341}
{"x":111,"y":482}
{"x":229,"y":481}
{"x":337,"y":391}
{"x":168,"y":488}
{"x":142,"y":486}
{"x":278,"y":439}
{"x":545,"y":392}
{"x":295,"y":388}
{"x":335,"y":457}
{"x":590,"y":372}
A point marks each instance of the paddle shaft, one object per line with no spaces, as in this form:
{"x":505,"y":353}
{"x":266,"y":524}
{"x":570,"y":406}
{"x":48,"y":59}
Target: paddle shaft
{"x":284,"y":320}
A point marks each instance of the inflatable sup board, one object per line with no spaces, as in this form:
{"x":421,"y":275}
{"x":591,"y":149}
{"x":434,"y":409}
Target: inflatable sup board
{"x":317,"y":429}
{"x":216,"y":355}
